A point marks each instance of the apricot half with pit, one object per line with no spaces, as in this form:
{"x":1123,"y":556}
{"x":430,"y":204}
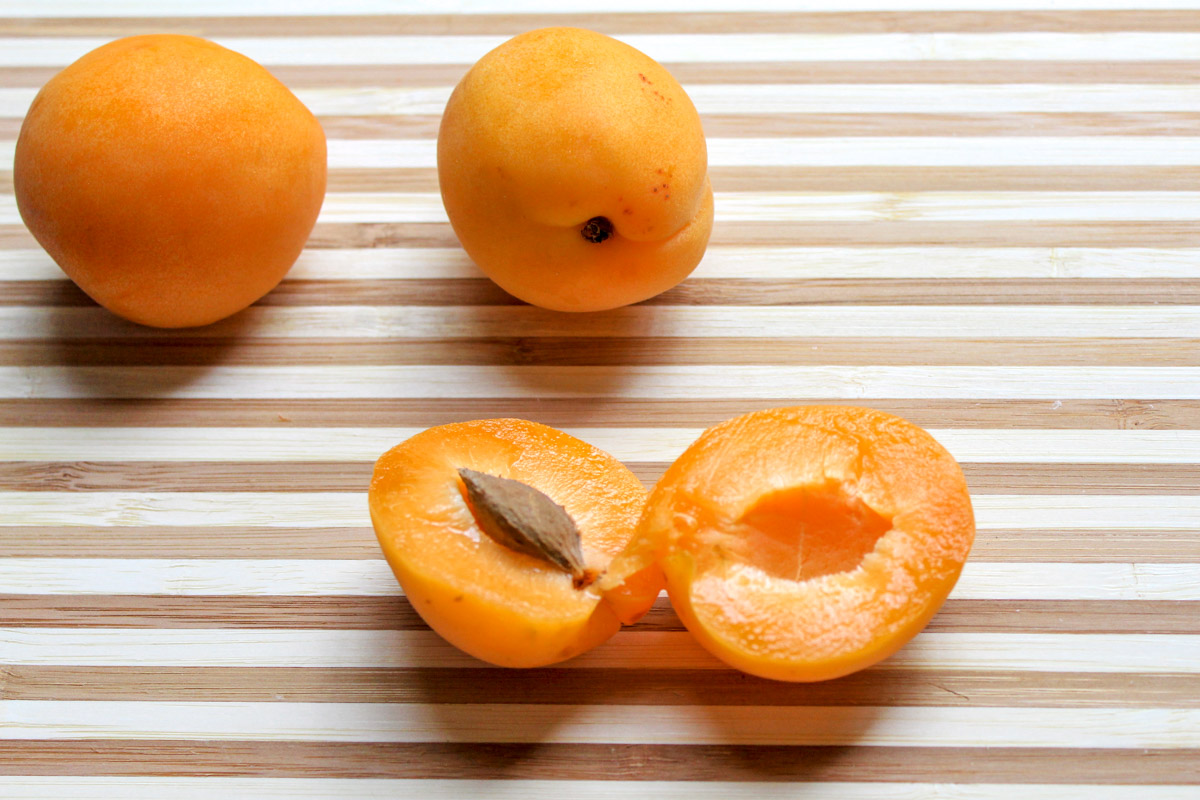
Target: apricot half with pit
{"x":502,"y":534}
{"x":574,"y":171}
{"x":807,"y":543}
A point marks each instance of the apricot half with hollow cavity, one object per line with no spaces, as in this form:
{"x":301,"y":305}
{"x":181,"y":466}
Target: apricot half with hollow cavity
{"x":434,"y":500}
{"x":574,"y":171}
{"x":807,"y":543}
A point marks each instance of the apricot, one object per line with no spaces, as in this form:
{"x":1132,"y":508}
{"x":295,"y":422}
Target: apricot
{"x":803,"y":544}
{"x":574,"y":171}
{"x":173,"y":180}
{"x":483,"y":596}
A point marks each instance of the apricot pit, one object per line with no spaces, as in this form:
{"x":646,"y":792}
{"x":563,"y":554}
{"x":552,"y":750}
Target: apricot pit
{"x":497,"y":531}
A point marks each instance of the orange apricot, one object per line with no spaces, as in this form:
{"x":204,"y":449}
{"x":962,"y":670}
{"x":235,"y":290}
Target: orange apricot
{"x":174,"y":180}
{"x":574,"y":171}
{"x":807,"y":543}
{"x":507,"y":607}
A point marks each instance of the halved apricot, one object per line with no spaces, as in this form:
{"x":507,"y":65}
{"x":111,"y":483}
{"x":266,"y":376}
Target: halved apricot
{"x":807,"y":543}
{"x":507,"y":607}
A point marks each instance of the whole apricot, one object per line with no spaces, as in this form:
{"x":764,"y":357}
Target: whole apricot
{"x":574,"y":171}
{"x":486,"y":594}
{"x":807,"y":543}
{"x":174,"y":180}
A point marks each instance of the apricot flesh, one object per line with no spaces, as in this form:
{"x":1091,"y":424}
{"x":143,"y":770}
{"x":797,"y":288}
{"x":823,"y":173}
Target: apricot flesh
{"x":174,"y":180}
{"x":574,"y":171}
{"x":807,"y":543}
{"x":499,"y":605}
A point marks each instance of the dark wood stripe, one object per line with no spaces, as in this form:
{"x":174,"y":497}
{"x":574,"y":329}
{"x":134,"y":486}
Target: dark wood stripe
{"x":601,"y":762}
{"x":793,"y":179}
{"x":16,"y":541}
{"x":836,"y":179}
{"x":582,"y":351}
{"x":356,"y":413}
{"x":713,"y":687}
{"x":353,"y":476}
{"x":616,"y":23}
{"x":425,"y":126}
{"x":810,"y":179}
{"x":1184,"y":233}
{"x":697,"y":292}
{"x":395,"y":613}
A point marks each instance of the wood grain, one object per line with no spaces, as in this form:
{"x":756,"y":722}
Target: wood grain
{"x":979,"y":218}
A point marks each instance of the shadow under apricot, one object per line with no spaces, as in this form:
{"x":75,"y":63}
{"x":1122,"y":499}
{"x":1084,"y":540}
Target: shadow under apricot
{"x":101,"y":355}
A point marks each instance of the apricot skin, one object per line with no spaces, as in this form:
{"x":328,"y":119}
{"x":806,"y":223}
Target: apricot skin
{"x":559,"y":126}
{"x":494,"y":603}
{"x":173,"y":180}
{"x":757,"y":609}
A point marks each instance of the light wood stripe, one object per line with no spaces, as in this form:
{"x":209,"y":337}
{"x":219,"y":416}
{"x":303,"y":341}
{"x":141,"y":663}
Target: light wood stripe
{"x":389,"y":95}
{"x":803,"y":383}
{"x":1116,"y":413}
{"x":420,"y":207}
{"x":309,"y":9}
{"x":295,"y":445}
{"x":480,"y":292}
{"x":358,"y":542}
{"x":338,"y":323}
{"x":394,"y":769}
{"x":325,"y":509}
{"x":671,"y":48}
{"x":784,"y":179}
{"x":980,"y":580}
{"x":745,"y":263}
{"x":350,"y":476}
{"x":506,"y":788}
{"x":901,"y":124}
{"x":395,"y":613}
{"x":852,"y":179}
{"x":937,"y":726}
{"x":634,"y":650}
{"x":861,"y":151}
{"x":959,"y":20}
{"x":733,"y":125}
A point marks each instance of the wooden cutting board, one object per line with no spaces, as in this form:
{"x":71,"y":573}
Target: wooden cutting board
{"x":982,"y":216}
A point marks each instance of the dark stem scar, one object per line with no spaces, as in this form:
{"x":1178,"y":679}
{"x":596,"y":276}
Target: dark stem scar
{"x":597,"y":229}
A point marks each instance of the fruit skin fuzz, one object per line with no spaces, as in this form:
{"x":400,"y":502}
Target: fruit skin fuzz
{"x":510,"y":608}
{"x":174,"y":180}
{"x":806,"y":543}
{"x":574,"y":171}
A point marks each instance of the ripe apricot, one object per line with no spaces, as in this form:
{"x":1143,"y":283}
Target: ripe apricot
{"x":173,"y":180}
{"x":806,"y":543}
{"x":497,"y":604}
{"x":574,"y":171}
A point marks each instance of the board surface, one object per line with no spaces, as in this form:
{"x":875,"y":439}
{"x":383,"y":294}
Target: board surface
{"x":982,"y":216}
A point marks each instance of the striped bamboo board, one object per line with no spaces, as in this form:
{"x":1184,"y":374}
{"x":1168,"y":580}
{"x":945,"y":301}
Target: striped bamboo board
{"x":983,"y":215}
